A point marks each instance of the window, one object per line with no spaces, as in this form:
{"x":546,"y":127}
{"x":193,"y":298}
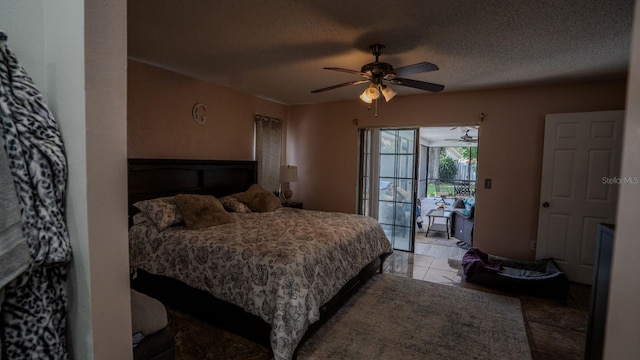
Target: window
{"x":268,"y":151}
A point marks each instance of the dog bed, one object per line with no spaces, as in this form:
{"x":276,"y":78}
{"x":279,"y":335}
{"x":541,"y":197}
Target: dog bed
{"x":541,"y":277}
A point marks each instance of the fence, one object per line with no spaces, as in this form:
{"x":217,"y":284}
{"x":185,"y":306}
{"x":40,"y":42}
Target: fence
{"x":434,"y":187}
{"x":462,"y":184}
{"x":465,"y":172}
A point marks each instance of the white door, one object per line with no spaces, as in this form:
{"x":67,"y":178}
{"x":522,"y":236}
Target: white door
{"x":581,"y":165}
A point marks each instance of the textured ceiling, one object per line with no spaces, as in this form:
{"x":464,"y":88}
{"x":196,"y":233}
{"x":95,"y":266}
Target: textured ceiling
{"x":277,"y":49}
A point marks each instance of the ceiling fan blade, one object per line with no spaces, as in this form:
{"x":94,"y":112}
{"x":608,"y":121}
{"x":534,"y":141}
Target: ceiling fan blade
{"x":463,"y":140}
{"x":422,"y":85}
{"x":356,"y":82}
{"x":354,"y":72}
{"x":415,"y":69}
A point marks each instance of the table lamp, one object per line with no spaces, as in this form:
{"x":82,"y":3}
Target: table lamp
{"x":288,"y":174}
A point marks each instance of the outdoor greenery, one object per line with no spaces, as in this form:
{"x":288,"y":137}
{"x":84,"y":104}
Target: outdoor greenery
{"x":468,"y":152}
{"x":447,"y":168}
{"x":431,"y":189}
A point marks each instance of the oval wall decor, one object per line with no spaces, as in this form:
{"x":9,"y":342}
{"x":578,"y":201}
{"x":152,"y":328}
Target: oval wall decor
{"x":199,"y":113}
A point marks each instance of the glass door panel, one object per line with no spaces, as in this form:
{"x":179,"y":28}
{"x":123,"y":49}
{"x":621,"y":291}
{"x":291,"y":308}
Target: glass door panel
{"x":396,"y":197}
{"x":366,"y":193}
{"x":387,"y":172}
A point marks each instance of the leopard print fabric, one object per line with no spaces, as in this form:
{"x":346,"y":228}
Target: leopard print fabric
{"x":34,"y":309}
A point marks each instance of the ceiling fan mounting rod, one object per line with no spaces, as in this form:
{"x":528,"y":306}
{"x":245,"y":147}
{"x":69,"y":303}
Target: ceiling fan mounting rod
{"x":376,"y":50}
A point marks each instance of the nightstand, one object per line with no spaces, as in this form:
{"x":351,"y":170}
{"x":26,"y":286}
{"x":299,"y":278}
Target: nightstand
{"x":293,"y":204}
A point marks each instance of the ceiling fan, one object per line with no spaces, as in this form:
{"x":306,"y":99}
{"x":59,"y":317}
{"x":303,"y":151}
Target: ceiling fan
{"x":468,"y":127}
{"x":465,"y":138}
{"x":376,"y":73}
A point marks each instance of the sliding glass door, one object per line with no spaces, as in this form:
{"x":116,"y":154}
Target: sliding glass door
{"x":387,"y":181}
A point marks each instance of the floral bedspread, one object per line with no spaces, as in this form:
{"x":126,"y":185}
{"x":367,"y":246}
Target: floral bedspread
{"x":281,"y":265}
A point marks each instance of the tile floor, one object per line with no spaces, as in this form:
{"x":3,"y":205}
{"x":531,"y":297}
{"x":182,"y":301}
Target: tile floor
{"x":556,"y":328}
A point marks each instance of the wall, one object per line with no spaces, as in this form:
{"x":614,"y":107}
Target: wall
{"x":160,"y":123}
{"x":105,"y":86}
{"x":323,"y":144}
{"x":623,"y":317}
{"x":49,"y":40}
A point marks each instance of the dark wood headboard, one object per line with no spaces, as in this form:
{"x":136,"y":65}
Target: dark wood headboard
{"x":152,"y":178}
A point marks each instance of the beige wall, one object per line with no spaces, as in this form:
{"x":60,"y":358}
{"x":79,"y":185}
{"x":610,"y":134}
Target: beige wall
{"x":323,"y":144}
{"x":105,"y":59}
{"x":623,"y":317}
{"x":160,"y":123}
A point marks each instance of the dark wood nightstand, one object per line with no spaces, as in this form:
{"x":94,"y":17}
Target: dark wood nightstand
{"x":293,"y":204}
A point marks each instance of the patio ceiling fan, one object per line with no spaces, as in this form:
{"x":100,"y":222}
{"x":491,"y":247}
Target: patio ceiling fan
{"x":475,"y":127}
{"x":465,"y":138}
{"x":377,"y":73}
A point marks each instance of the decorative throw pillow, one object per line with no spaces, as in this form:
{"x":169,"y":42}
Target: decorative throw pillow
{"x":162,"y":211}
{"x":259,"y":199}
{"x":202,"y":211}
{"x":140,"y":217}
{"x":458,"y":204}
{"x":231,"y":203}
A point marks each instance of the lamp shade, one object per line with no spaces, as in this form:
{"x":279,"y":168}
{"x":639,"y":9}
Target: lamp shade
{"x":388,"y":93}
{"x":372,"y":92}
{"x":364,"y":97}
{"x":288,"y":173}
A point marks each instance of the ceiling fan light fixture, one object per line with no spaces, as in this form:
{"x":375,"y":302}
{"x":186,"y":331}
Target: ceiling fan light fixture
{"x":364,"y":97}
{"x":372,"y":92}
{"x":387,"y":92}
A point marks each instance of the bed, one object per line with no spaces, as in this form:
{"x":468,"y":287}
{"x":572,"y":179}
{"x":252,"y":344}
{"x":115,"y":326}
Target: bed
{"x":287,"y":268}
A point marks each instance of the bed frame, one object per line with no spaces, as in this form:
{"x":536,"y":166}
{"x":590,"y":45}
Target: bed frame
{"x":152,"y":178}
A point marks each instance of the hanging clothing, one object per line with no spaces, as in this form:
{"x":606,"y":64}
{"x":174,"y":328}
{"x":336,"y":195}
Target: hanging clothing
{"x":14,"y":252}
{"x":33,"y":313}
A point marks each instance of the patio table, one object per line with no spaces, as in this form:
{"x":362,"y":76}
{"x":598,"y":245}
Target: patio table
{"x":433,"y":214}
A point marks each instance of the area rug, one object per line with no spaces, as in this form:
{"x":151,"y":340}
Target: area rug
{"x":394,"y":317}
{"x":196,"y":339}
{"x":390,"y":317}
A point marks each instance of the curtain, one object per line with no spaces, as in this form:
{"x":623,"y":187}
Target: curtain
{"x":268,"y":151}
{"x":33,"y":313}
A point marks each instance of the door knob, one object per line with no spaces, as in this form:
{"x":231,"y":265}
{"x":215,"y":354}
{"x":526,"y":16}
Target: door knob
{"x":545,"y":204}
